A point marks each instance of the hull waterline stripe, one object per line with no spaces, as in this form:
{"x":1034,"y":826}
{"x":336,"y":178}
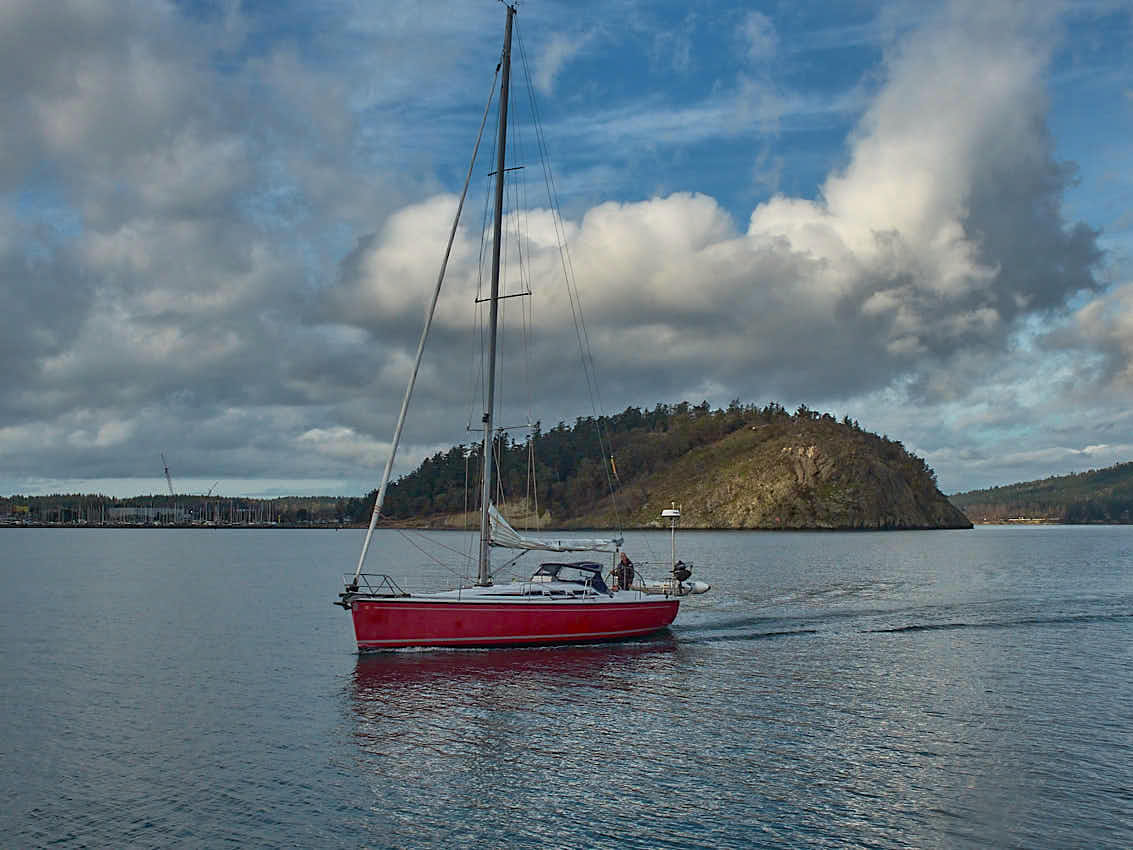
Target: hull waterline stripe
{"x":424,"y":604}
{"x":514,"y":638}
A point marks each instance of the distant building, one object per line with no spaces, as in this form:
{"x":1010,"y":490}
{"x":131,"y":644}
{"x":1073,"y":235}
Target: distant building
{"x":17,"y":515}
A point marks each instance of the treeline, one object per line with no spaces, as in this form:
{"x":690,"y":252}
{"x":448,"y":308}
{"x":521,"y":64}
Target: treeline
{"x":1096,"y":496}
{"x":567,"y":470}
{"x":180,"y":509}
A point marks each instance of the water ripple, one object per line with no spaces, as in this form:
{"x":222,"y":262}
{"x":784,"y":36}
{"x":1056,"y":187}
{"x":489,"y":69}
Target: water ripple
{"x":921,"y":690}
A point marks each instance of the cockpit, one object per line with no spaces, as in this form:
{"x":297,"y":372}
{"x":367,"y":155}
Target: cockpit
{"x":585,"y":573}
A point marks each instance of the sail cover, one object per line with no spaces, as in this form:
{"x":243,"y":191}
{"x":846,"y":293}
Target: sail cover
{"x":506,"y":536}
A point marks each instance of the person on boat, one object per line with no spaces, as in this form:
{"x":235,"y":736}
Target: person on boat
{"x":623,"y":572}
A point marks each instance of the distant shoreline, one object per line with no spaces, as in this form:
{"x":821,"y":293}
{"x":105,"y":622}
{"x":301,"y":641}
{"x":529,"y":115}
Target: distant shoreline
{"x":153,"y":527}
{"x":1015,"y":523}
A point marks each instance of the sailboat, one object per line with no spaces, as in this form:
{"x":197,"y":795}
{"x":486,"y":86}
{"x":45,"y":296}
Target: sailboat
{"x":562,"y":601}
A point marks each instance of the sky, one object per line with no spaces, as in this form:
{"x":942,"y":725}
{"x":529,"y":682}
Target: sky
{"x":220,"y":224}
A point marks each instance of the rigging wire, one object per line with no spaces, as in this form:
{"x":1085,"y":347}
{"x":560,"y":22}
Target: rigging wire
{"x":589,"y":366}
{"x":377,"y":511}
{"x":527,"y":313}
{"x":519,"y":235}
{"x":478,"y":389}
{"x":409,"y":538}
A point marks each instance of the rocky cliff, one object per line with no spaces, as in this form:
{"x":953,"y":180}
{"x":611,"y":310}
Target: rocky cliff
{"x":797,"y":474}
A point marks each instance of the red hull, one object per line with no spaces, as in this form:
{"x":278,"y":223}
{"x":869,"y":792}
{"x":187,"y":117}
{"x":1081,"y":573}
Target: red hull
{"x":387,"y":623}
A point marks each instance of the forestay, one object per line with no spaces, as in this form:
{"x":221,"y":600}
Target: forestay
{"x":505,"y":536}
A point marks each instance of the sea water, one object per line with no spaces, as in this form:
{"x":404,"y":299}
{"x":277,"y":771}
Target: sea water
{"x":919,"y":689}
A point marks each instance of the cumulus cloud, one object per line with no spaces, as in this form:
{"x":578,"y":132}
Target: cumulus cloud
{"x":343,"y":443}
{"x":147,"y":285}
{"x":224,"y":258}
{"x":945,"y":226}
{"x":1101,"y":335}
{"x":760,"y":38}
{"x":555,"y":55}
{"x":920,"y":262}
{"x":940,"y":234}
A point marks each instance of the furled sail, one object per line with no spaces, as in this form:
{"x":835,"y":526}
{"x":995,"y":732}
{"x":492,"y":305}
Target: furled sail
{"x":507,"y":537}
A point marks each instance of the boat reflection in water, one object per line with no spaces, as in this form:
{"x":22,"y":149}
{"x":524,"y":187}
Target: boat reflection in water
{"x":490,"y":747}
{"x":388,"y":679}
{"x":464,"y":700}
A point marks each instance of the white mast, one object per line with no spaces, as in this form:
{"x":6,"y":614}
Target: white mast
{"x":484,"y":572}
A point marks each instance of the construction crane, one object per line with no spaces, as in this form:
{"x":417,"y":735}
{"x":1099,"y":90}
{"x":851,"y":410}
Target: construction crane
{"x":168,"y":480}
{"x":213,"y":487}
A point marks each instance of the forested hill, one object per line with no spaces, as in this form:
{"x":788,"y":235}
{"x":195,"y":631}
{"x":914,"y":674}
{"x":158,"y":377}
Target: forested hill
{"x":1100,"y":496}
{"x":743,"y":467}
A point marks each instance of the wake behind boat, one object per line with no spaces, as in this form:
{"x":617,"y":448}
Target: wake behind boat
{"x":563,"y":601}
